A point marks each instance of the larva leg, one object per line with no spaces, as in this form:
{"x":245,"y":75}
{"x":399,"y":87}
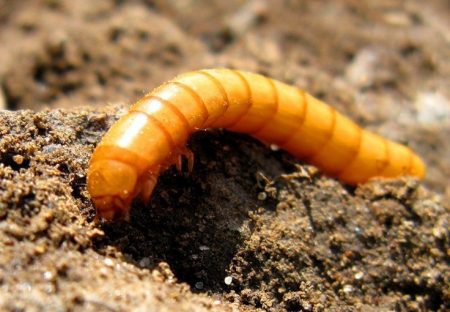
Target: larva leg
{"x":125,"y":216}
{"x":190,"y":159}
{"x":148,"y":184}
{"x":149,"y":180}
{"x":178,"y":159}
{"x":179,"y":163}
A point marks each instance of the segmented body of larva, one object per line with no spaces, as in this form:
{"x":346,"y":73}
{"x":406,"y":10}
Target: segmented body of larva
{"x":152,"y":136}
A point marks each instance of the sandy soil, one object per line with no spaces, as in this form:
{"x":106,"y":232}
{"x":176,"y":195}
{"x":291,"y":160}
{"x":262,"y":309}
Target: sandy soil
{"x":251,"y":228}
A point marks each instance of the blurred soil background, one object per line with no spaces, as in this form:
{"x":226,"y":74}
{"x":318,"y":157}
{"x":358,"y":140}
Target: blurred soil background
{"x":251,"y":229}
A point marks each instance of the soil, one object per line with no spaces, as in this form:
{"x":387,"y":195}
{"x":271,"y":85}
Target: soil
{"x":251,"y":228}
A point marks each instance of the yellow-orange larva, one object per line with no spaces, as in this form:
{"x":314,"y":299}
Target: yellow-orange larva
{"x":152,"y":136}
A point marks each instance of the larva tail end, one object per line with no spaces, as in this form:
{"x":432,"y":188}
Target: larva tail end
{"x":418,"y":168}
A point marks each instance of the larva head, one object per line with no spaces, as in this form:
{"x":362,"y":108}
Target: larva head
{"x":112,"y":186}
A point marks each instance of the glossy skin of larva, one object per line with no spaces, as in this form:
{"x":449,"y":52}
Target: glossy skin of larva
{"x":152,"y":136}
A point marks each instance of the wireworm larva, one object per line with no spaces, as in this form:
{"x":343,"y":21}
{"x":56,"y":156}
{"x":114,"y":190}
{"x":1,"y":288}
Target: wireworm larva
{"x":152,"y":136}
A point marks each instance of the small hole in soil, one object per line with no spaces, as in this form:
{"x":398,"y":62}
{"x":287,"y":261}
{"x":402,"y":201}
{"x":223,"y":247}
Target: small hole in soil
{"x":409,"y":50}
{"x":220,"y":40}
{"x":115,"y":34}
{"x":78,"y":183}
{"x":15,"y":161}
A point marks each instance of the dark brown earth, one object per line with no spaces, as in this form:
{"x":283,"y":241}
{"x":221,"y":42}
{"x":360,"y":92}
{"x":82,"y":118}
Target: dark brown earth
{"x":251,"y":229}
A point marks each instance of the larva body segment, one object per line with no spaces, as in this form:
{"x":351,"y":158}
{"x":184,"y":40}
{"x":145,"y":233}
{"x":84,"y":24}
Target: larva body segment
{"x":152,"y":136}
